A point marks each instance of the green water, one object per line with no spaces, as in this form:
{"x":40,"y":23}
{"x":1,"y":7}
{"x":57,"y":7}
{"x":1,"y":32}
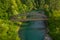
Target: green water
{"x":29,"y":33}
{"x":32,"y":35}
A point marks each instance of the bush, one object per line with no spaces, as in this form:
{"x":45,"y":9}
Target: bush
{"x":8,"y":30}
{"x":54,"y":25}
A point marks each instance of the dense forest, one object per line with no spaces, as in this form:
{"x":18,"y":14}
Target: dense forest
{"x":9,"y":8}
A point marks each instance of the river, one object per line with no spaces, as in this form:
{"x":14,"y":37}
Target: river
{"x":36,"y":30}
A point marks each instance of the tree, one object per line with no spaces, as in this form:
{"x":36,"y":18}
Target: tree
{"x":54,"y":17}
{"x":8,"y":29}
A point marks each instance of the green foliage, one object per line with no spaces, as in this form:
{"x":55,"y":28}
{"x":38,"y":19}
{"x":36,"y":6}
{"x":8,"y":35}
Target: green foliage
{"x":54,"y":25}
{"x":8,"y":30}
{"x":53,"y":12}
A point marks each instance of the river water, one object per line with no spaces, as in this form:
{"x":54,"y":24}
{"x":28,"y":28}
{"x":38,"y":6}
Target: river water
{"x":36,"y":31}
